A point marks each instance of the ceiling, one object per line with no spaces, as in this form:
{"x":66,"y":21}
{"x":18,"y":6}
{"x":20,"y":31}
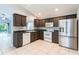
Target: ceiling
{"x":51,"y":10}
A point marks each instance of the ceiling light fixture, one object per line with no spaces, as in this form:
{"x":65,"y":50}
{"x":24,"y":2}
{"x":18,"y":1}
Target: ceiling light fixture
{"x":56,"y":9}
{"x":39,"y":14}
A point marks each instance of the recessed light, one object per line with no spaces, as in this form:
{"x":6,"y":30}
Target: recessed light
{"x":39,"y":14}
{"x":56,"y":9}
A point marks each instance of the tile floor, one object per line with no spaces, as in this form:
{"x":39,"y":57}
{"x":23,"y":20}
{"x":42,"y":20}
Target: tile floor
{"x":39,"y":47}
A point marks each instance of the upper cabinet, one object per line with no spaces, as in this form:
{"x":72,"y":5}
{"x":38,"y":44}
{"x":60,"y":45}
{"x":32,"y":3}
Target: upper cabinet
{"x":55,"y":20}
{"x":23,"y":20}
{"x":39,"y":23}
{"x":19,"y":20}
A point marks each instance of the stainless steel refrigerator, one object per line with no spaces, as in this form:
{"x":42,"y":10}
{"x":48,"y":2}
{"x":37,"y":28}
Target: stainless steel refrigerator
{"x":68,"y":33}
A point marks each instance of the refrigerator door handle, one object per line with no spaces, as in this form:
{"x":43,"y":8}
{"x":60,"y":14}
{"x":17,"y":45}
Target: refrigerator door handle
{"x":62,"y":29}
{"x":67,"y":25}
{"x":59,"y":29}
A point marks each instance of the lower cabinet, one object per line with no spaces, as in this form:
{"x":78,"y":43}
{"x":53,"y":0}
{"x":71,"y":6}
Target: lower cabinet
{"x":41,"y":35}
{"x":55,"y":36}
{"x":34,"y":36}
{"x":23,"y":38}
{"x":17,"y":39}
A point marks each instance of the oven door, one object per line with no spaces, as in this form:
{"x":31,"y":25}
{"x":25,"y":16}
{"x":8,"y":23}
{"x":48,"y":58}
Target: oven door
{"x":48,"y":36}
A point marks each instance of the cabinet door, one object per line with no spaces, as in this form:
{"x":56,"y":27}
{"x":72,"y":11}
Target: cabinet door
{"x":55,"y":37}
{"x":23,"y":21}
{"x":17,"y":20}
{"x":41,"y":35}
{"x":55,"y":23}
{"x":34,"y":36}
{"x":36,"y":23}
{"x":39,"y":23}
{"x":42,"y":23}
{"x":17,"y":39}
{"x":20,"y":39}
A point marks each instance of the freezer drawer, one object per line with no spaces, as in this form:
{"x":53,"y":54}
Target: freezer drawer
{"x":69,"y":42}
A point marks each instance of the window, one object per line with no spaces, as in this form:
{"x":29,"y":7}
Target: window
{"x":30,"y":25}
{"x":3,"y":27}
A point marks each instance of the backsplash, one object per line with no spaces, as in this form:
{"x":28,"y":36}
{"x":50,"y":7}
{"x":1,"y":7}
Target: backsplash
{"x":16,"y":28}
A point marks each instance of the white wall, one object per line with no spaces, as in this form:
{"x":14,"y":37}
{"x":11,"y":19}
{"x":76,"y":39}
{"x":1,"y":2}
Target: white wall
{"x":9,"y":10}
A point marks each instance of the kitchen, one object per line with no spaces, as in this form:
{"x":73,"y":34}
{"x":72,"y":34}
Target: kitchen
{"x":27,"y":30}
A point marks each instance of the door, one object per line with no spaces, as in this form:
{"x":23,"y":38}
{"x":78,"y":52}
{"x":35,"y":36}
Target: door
{"x":71,"y":27}
{"x":62,"y":26}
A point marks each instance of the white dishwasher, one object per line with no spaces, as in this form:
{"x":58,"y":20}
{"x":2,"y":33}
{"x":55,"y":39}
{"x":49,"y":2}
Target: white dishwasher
{"x":26,"y":38}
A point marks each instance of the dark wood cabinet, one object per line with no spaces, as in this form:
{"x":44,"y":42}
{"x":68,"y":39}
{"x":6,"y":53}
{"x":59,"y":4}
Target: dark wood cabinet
{"x":55,"y":37}
{"x":42,"y":23}
{"x":39,"y":23}
{"x":36,"y":23}
{"x":19,"y":20}
{"x":41,"y":35}
{"x":55,"y":21}
{"x":17,"y":39}
{"x":34,"y":36}
{"x":23,"y":21}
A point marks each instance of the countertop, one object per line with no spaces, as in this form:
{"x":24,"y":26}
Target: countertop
{"x":51,"y":29}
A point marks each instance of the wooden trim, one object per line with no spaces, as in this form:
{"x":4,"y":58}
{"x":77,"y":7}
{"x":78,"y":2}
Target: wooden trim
{"x":64,"y":17}
{"x":18,"y":14}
